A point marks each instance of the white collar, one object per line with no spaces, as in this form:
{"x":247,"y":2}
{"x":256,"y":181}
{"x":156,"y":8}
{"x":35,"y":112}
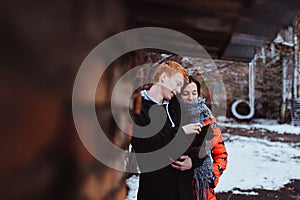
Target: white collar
{"x":145,"y":94}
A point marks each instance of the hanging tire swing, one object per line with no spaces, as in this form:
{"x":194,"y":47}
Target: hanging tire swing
{"x":242,"y":109}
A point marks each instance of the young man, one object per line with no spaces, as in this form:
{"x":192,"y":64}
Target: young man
{"x":174,"y":181}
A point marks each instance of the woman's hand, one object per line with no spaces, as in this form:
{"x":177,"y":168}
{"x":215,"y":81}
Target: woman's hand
{"x":185,"y":163}
{"x":192,"y":128}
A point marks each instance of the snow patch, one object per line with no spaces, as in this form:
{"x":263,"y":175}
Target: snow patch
{"x":133,"y":184}
{"x":258,"y":163}
{"x":244,"y":193}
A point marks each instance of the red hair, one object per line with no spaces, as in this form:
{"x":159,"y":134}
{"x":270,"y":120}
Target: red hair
{"x":170,"y":68}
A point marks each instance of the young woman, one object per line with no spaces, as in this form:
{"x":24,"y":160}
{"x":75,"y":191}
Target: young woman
{"x":207,"y":175}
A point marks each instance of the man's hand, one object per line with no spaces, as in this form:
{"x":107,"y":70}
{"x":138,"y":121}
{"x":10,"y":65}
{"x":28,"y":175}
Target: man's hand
{"x":192,"y":128}
{"x":185,"y":163}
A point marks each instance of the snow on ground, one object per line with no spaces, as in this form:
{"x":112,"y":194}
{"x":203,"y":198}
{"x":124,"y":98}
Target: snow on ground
{"x":253,"y":162}
{"x":258,"y":163}
{"x":133,"y":184}
{"x":245,"y":193}
{"x":271,"y":125}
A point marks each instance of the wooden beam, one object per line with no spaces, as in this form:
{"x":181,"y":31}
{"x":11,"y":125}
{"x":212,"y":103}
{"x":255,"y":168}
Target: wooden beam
{"x":239,"y":53}
{"x":191,"y":5}
{"x":183,"y":19}
{"x":198,"y":8}
{"x":248,"y":40}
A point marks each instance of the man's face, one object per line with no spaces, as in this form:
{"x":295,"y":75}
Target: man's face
{"x":172,"y":85}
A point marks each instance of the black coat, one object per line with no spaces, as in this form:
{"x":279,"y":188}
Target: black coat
{"x":166,"y":183}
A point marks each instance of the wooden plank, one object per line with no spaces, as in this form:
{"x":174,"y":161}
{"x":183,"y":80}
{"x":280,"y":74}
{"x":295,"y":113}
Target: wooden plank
{"x":248,"y":40}
{"x":232,"y":5}
{"x":199,"y":8}
{"x":183,"y":19}
{"x":239,"y":53}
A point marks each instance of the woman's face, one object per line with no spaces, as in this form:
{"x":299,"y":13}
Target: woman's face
{"x":189,"y":93}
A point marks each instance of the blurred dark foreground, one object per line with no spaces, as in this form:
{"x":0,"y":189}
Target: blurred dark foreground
{"x":42,"y":46}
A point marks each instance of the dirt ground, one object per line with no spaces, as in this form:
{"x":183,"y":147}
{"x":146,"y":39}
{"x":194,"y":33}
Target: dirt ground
{"x":289,"y":191}
{"x":263,"y":133}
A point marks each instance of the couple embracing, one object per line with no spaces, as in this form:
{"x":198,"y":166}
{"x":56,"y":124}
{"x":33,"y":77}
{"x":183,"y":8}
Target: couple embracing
{"x":195,"y":173}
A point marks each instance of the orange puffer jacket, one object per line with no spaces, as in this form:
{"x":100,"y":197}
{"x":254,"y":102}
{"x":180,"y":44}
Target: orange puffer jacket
{"x":218,"y":153}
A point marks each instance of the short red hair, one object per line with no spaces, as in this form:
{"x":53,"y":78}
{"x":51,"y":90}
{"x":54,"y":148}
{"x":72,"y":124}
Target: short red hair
{"x":170,"y":68}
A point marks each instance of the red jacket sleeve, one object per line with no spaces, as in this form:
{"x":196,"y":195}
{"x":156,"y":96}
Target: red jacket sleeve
{"x":218,"y":152}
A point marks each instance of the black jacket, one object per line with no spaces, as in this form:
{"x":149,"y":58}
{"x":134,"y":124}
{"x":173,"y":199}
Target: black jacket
{"x":165,"y":183}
